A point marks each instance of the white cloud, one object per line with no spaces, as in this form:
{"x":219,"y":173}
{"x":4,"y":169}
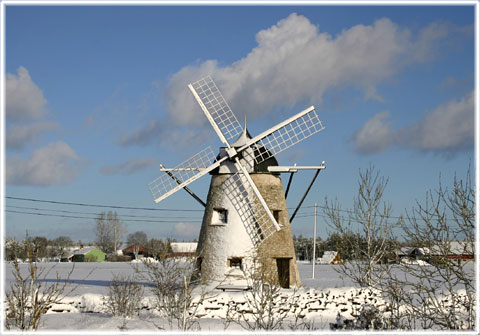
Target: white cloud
{"x":450,"y":127}
{"x":142,"y":136}
{"x":375,"y":136}
{"x":24,"y":100}
{"x":294,"y":63}
{"x":447,"y":129}
{"x":19,"y":136}
{"x":425,"y":47}
{"x":292,"y":66}
{"x":186,"y":231}
{"x":53,"y":164}
{"x":129,"y":167}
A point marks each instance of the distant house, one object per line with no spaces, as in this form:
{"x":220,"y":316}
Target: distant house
{"x":86,"y":254}
{"x":461,"y":251}
{"x":183,"y":249}
{"x":412,"y":253}
{"x":138,"y":249}
{"x":330,"y":257}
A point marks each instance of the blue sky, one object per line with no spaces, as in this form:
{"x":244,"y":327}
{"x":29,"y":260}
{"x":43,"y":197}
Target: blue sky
{"x":97,"y":98}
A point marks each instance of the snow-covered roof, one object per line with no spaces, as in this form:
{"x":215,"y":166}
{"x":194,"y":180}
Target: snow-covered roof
{"x":132,"y":248}
{"x":454,"y":248}
{"x":82,"y":251}
{"x":405,"y":250}
{"x":184,"y":246}
{"x":243,"y":138}
{"x":423,"y":251}
{"x":328,"y":257}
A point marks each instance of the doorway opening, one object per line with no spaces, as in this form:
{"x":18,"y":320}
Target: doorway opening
{"x":283,"y":269}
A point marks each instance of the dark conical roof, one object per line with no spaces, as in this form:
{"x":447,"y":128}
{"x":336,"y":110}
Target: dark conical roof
{"x":257,"y":151}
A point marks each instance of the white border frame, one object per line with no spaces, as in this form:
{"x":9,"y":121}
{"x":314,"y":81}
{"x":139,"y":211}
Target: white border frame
{"x":4,"y":3}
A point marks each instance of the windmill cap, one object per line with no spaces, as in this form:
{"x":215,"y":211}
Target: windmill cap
{"x":243,"y":138}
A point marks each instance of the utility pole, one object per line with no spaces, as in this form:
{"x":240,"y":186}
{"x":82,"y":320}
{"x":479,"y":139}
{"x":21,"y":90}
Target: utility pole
{"x":314,"y":241}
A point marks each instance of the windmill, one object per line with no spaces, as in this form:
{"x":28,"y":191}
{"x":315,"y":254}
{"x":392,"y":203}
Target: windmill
{"x":245,"y":212}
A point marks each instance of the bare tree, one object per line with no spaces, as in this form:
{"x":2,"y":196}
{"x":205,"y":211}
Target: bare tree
{"x":436,"y":291}
{"x":14,"y":249}
{"x":159,"y":248}
{"x":109,"y":230}
{"x":103,"y":233}
{"x":137,"y":239}
{"x":119,"y":229}
{"x":61,"y":244}
{"x":440,"y":294}
{"x":368,"y":222}
{"x":38,"y":245}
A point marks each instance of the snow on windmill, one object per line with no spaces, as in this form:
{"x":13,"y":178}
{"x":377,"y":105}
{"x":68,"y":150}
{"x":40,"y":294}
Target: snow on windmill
{"x":245,"y":213}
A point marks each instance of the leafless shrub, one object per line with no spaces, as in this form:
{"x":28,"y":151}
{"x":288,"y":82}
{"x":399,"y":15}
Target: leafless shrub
{"x":124,"y":296}
{"x":176,"y":287}
{"x":369,"y":318}
{"x":266,"y":306}
{"x":30,"y":297}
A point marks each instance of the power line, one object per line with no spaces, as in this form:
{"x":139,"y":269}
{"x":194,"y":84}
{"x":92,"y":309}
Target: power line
{"x":302,"y":211}
{"x":92,"y":218}
{"x":379,"y":215}
{"x":104,"y":206}
{"x":111,"y":206}
{"x":96,"y":214}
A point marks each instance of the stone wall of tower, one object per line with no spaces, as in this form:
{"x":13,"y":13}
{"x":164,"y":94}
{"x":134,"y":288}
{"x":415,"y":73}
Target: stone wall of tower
{"x":280,"y":244}
{"x":218,"y":243}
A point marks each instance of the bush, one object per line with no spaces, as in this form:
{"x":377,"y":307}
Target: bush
{"x":172,"y":283}
{"x":270,"y":309}
{"x":30,"y":296}
{"x":369,"y":318}
{"x":124,"y":296}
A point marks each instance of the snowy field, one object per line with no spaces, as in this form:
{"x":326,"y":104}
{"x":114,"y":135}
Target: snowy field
{"x":99,"y":280}
{"x":319,"y":301}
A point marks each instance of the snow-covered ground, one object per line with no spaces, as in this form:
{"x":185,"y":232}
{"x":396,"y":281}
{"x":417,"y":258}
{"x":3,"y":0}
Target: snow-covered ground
{"x":319,"y":301}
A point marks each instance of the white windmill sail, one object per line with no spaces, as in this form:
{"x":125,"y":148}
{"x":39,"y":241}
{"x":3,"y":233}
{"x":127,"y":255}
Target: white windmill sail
{"x":216,"y":109}
{"x":241,"y":190}
{"x":256,"y":220}
{"x":285,"y":134}
{"x":187,"y":172}
{"x":226,"y":125}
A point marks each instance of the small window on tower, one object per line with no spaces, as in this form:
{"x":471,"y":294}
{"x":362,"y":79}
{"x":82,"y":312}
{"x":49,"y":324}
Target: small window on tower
{"x":276,"y":215}
{"x":219,"y":216}
{"x":235,"y":262}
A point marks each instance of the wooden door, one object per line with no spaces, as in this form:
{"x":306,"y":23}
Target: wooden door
{"x":283,"y":268}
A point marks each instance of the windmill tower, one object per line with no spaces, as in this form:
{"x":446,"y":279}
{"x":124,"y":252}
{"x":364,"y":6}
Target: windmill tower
{"x":245,"y":214}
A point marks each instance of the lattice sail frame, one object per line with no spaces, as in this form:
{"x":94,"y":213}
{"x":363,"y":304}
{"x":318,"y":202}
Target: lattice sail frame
{"x":284,"y":136}
{"x":289,"y":135}
{"x":188,"y":171}
{"x":257,"y":223}
{"x":214,"y":102}
{"x":241,"y":190}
